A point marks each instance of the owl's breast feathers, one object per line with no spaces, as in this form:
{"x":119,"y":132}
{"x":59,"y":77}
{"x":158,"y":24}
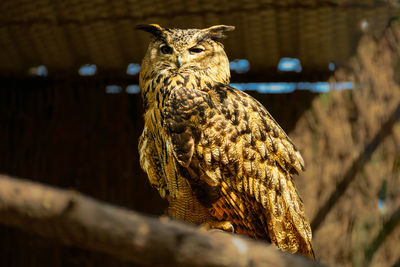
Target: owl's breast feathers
{"x":236,"y":158}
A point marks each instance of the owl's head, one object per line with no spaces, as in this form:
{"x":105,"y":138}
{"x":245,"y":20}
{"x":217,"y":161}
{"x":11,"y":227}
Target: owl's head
{"x":181,"y":51}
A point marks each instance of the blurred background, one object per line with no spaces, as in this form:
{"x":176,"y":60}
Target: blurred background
{"x":327,"y":70}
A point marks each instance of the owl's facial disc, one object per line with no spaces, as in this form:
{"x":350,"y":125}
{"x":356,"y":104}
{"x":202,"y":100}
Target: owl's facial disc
{"x":184,"y":56}
{"x":187,"y":51}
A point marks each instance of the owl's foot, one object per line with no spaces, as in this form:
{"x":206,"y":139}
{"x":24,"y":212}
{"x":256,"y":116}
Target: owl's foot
{"x":219,"y":225}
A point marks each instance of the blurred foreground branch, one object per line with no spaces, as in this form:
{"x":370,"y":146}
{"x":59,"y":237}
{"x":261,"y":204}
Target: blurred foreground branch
{"x":74,"y":219}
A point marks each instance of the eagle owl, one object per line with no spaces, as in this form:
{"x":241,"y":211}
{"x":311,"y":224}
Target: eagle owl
{"x":213,"y":151}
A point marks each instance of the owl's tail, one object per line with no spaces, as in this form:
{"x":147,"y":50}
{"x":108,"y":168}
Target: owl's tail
{"x":287,"y":224}
{"x":280,"y":221}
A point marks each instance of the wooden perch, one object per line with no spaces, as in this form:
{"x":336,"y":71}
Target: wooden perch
{"x":77,"y":220}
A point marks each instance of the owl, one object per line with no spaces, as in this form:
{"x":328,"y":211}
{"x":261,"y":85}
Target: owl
{"x":214,"y":152}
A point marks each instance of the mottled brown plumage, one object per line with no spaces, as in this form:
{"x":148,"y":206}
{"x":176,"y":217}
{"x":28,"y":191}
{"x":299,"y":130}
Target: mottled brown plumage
{"x":213,"y":151}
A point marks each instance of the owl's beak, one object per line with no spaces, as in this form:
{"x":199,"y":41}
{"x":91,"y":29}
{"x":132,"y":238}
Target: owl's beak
{"x":179,"y":61}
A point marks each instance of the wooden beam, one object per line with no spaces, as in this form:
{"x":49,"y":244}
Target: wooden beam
{"x":77,"y":220}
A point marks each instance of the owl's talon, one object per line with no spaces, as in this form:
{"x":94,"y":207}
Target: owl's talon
{"x":223,"y":225}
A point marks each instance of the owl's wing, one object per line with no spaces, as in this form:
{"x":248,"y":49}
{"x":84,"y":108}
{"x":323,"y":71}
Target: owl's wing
{"x":227,"y":139}
{"x":151,"y":163}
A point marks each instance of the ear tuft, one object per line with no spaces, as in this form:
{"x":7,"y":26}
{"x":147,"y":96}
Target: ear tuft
{"x":154,"y":29}
{"x":217,"y":31}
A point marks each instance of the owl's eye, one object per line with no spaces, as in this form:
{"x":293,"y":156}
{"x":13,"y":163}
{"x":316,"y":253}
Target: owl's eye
{"x":165,"y":49}
{"x":196,"y":49}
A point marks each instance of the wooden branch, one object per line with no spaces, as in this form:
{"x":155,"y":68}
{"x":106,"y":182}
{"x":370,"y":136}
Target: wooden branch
{"x":76,"y":220}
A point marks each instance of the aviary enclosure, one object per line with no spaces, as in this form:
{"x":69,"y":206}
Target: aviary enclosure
{"x":71,"y":114}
